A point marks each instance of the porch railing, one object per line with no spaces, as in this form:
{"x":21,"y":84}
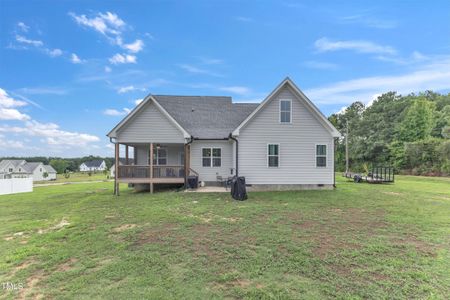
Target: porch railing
{"x":143,"y":171}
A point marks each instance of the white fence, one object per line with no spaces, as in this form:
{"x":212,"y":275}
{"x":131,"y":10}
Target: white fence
{"x":16,"y":185}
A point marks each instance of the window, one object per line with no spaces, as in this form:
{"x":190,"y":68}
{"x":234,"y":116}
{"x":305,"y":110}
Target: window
{"x":285,"y":111}
{"x":160,"y":156}
{"x":321,"y":155}
{"x":273,"y":159}
{"x":10,"y":170}
{"x":211,"y":157}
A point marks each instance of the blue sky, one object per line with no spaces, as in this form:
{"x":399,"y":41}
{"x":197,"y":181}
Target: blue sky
{"x":70,"y":70}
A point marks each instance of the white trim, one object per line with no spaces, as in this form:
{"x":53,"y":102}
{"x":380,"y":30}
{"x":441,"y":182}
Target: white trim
{"x":326,"y":155}
{"x":267,"y":155}
{"x":212,"y":156}
{"x":157,"y":155}
{"x":315,"y":111}
{"x":290,"y":111}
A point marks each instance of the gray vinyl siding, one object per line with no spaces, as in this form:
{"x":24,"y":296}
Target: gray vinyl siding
{"x":297,"y":156}
{"x":173,"y":154}
{"x":149,"y":125}
{"x":211,"y":173}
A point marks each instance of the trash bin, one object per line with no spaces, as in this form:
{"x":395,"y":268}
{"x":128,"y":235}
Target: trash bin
{"x":238,"y":190}
{"x":192,"y":182}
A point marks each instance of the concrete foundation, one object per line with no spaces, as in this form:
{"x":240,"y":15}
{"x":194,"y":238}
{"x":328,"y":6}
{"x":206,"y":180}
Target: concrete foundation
{"x":288,"y":187}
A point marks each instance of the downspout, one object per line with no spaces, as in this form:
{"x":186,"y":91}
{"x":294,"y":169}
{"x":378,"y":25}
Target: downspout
{"x":237,"y":153}
{"x":186,"y":172}
{"x":334,"y":163}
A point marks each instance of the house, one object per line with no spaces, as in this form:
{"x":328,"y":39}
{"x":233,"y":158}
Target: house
{"x":93,"y":166}
{"x":122,"y":161}
{"x":19,"y":168}
{"x":13,"y":168}
{"x":51,"y":173}
{"x":284,"y":142}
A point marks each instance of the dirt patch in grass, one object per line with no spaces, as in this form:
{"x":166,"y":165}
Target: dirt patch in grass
{"x":159,"y":235}
{"x":63,"y":223}
{"x":412,"y":241}
{"x":124,"y":227}
{"x":67,"y":266}
{"x":30,"y":287}
{"x":335,"y":230}
{"x":393,"y":193}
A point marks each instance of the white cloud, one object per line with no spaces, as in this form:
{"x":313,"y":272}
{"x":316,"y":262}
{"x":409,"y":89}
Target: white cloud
{"x":107,"y":69}
{"x":7,"y":110}
{"x":195,"y":70}
{"x":138,"y":101}
{"x":7,"y":102}
{"x":9,"y":144}
{"x":54,"y":52}
{"x":320,"y":65}
{"x":326,"y":45}
{"x":75,"y":59}
{"x":434,"y":75}
{"x":52,"y":134}
{"x":108,"y":23}
{"x":135,"y":47}
{"x":122,"y":59}
{"x":23,"y":26}
{"x":115,"y":112}
{"x":129,"y":88}
{"x":43,"y":91}
{"x":22,"y":39}
{"x":369,"y":21}
{"x":240,"y":90}
{"x":12,"y":114}
{"x":210,"y":61}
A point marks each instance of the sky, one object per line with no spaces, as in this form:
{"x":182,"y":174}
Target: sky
{"x":71,"y":70}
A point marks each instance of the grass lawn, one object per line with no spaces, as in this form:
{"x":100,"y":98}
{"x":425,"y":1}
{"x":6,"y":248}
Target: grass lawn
{"x":359,"y":241}
{"x":77,"y":177}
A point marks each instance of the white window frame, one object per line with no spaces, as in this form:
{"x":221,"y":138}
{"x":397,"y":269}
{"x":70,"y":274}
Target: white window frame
{"x":212,"y":157}
{"x":279,"y":155}
{"x":326,"y":155}
{"x":280,"y":111}
{"x":156,"y":154}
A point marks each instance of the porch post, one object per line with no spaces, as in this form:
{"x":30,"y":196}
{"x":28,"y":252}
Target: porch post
{"x":126,"y":155}
{"x":151,"y":168}
{"x":116,"y":167}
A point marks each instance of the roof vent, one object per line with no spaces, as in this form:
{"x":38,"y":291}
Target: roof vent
{"x":192,"y":109}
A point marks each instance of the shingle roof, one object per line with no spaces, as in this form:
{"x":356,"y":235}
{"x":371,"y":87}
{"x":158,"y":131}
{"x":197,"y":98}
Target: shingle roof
{"x":206,"y":116}
{"x":49,"y":169}
{"x":31,"y":166}
{"x":93,"y":163}
{"x":14,"y":162}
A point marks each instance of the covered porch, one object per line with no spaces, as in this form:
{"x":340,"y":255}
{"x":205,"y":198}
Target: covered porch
{"x":146,"y":164}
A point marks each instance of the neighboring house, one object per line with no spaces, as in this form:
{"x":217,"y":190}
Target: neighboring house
{"x":122,"y":161}
{"x":284,"y":142}
{"x":93,"y":166}
{"x":22,"y":169}
{"x":51,"y":173}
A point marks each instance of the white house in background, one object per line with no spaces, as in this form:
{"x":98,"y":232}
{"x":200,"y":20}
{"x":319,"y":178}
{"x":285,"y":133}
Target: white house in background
{"x":97,"y":165}
{"x":50,"y":172}
{"x":19,"y":168}
{"x":284,"y":142}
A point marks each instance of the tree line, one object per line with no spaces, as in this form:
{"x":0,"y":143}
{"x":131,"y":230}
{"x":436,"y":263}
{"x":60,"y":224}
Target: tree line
{"x":410,"y":133}
{"x":63,"y":165}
